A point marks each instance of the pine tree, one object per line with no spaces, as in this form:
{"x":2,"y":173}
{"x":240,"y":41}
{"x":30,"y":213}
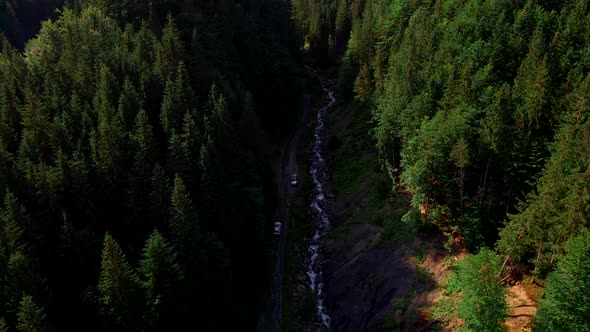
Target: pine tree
{"x":161,"y":277}
{"x":144,"y":141}
{"x":139,"y":180}
{"x":9,"y":119}
{"x":531,"y":86}
{"x":177,"y":161}
{"x":118,"y":287}
{"x":185,"y":228}
{"x":566,"y":304}
{"x":21,"y":277}
{"x":13,"y":218}
{"x":178,"y":100}
{"x":3,"y":326}
{"x":168,"y":109}
{"x":30,"y":317}
{"x":129,"y":103}
{"x":109,"y":142}
{"x":170,"y":51}
{"x":183,"y":218}
{"x":482,"y":307}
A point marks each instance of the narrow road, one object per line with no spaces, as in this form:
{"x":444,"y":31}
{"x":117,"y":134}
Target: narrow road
{"x":271,"y":320}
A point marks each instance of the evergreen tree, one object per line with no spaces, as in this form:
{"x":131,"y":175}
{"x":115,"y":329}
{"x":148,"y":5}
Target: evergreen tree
{"x":482,"y":306}
{"x":566,"y":303}
{"x":30,"y":317}
{"x":184,"y":223}
{"x":178,"y":99}
{"x":161,"y":277}
{"x":144,"y":142}
{"x":129,"y":104}
{"x":21,"y":277}
{"x":109,"y":142}
{"x":3,"y":326}
{"x":170,"y":51}
{"x":118,"y":288}
{"x":13,"y":220}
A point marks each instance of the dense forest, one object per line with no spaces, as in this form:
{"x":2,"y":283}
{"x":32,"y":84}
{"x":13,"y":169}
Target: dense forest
{"x":135,"y":187}
{"x":134,"y":177}
{"x":480,"y":111}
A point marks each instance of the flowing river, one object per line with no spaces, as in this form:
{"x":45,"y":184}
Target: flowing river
{"x":318,"y":204}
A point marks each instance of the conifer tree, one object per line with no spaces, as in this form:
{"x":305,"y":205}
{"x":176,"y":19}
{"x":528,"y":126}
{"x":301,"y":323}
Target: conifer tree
{"x":184,"y":223}
{"x":144,"y":141}
{"x":118,"y":287}
{"x":170,"y":51}
{"x":161,"y":276}
{"x":30,"y":317}
{"x":482,"y":307}
{"x":129,"y":104}
{"x":178,"y":99}
{"x":566,"y":304}
{"x":21,"y":277}
{"x":13,"y":218}
{"x":109,"y":141}
{"x":3,"y":326}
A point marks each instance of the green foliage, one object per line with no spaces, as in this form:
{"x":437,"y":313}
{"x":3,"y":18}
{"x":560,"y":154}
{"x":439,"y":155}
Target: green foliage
{"x":13,"y":218}
{"x":98,"y":112}
{"x":160,"y":274}
{"x":3,"y":327}
{"x":118,"y":286}
{"x":184,"y":223}
{"x":30,"y":317}
{"x":482,"y":305}
{"x":566,"y":303}
{"x":559,"y":206}
{"x":21,"y":276}
{"x":462,"y":112}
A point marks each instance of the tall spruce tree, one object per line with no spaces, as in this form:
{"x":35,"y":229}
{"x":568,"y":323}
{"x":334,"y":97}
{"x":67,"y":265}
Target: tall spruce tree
{"x":161,"y":280}
{"x":30,"y":317}
{"x":566,"y":303}
{"x":119,"y":297}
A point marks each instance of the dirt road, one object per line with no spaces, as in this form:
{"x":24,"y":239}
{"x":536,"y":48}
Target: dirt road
{"x":271,"y":320}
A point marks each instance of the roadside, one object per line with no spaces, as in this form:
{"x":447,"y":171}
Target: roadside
{"x":375,"y":273}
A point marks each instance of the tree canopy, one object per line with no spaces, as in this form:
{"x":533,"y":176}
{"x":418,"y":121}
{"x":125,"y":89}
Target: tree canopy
{"x":120,"y":118}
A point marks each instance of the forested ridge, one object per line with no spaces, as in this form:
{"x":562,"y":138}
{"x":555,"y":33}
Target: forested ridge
{"x":134,"y":147}
{"x":479,"y":111}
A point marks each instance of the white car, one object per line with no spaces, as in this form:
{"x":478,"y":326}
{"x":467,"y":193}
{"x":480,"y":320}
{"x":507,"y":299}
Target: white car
{"x":277,"y":228}
{"x":294,"y":180}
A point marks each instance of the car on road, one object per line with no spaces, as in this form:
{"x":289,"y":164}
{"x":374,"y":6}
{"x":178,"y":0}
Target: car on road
{"x":277,"y":228}
{"x":294,"y":180}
